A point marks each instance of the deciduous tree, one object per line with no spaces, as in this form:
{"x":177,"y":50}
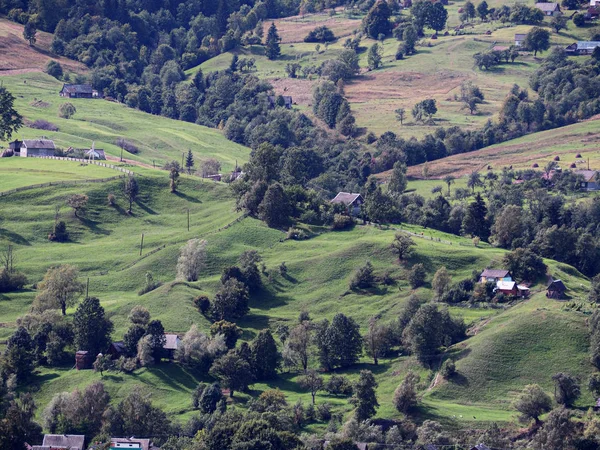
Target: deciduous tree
{"x":312,"y":382}
{"x":191,"y":260}
{"x":532,"y":403}
{"x":92,"y":328}
{"x":366,"y":399}
{"x":60,"y":288}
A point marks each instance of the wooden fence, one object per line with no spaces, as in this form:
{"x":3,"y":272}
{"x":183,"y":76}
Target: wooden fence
{"x":86,"y":161}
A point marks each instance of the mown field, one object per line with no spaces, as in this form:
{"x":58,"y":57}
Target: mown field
{"x":436,"y":71}
{"x":103,"y":122}
{"x":512,"y":346}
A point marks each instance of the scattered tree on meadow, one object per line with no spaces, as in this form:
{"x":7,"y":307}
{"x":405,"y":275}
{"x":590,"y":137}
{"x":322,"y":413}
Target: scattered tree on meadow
{"x":339,"y":342}
{"x":566,"y":389}
{"x":537,"y":40}
{"x":441,"y":283}
{"x":559,"y":22}
{"x":374,"y":57}
{"x":59,"y":289}
{"x":10,"y":119}
{"x":366,"y":399}
{"x":78,"y":202}
{"x":532,"y":403}
{"x":403,"y":245}
{"x":66,"y":110}
{"x":232,"y":371}
{"x":471,"y":96}
{"x":273,"y":48}
{"x":30,"y":32}
{"x":377,"y":20}
{"x":297,"y":345}
{"x":400,"y":115}
{"x":103,"y":363}
{"x":189,"y":162}
{"x":378,"y":340}
{"x":363,"y":278}
{"x":191,"y":260}
{"x":131,"y":191}
{"x":312,"y":382}
{"x":174,"y":176}
{"x":210,"y":166}
{"x":18,"y":358}
{"x":231,"y":302}
{"x":398,"y":181}
{"x":417,"y":275}
{"x":265,"y":359}
{"x":424,"y":110}
{"x":405,"y":395}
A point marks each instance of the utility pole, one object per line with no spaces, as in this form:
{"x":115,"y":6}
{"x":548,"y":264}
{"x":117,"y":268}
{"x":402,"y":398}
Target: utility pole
{"x":122,"y":150}
{"x":182,"y":160}
{"x":188,"y":219}
{"x":87,"y":288}
{"x":142,"y":244}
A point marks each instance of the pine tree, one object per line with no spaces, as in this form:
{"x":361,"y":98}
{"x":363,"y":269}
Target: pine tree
{"x":29,"y":33}
{"x":92,"y":329}
{"x":19,"y":356}
{"x":366,"y":400}
{"x":189,"y":162}
{"x":272,"y":43}
{"x":265,"y":357}
{"x":158,"y":340}
{"x":475,"y":221}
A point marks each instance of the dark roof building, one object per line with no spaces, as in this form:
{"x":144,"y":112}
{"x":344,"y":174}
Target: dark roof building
{"x":582,"y":47}
{"x":77,"y":91}
{"x":519,"y":38}
{"x":352,"y":201}
{"x":37,"y":147}
{"x":62,"y":441}
{"x":495,"y":275}
{"x":556,"y":289}
{"x":549,"y":9}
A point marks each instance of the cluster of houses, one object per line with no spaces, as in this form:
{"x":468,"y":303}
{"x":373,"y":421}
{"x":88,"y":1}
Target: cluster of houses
{"x":506,"y":285}
{"x":77,"y":442}
{"x":35,"y":148}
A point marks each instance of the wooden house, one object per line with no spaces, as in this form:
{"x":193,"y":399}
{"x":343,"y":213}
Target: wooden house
{"x":594,"y":2}
{"x":591,"y":181}
{"x":77,"y":91}
{"x":171,"y":345}
{"x":582,"y":47}
{"x":116,"y":350}
{"x":556,"y":289}
{"x":37,"y":147}
{"x":549,"y":9}
{"x":131,"y":444}
{"x":84,"y":360}
{"x":61,"y":441}
{"x":507,"y":288}
{"x":519,"y":39}
{"x":352,"y":201}
{"x":495,"y":275}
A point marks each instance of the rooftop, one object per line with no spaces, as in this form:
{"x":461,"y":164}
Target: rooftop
{"x":67,"y":441}
{"x":78,"y":88}
{"x":38,"y":143}
{"x":547,"y":6}
{"x":346,"y":198}
{"x":494,"y":273}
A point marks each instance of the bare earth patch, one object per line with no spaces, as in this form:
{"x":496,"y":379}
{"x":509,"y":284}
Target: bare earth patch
{"x":18,"y":57}
{"x":299,"y":88}
{"x":294,"y":29}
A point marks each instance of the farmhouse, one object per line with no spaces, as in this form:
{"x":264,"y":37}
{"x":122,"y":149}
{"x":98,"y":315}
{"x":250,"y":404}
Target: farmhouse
{"x":61,"y":441}
{"x":352,"y":201}
{"x":116,"y":350}
{"x":512,"y":288}
{"x":549,"y":9}
{"x":77,"y":91}
{"x":590,"y":179}
{"x":171,"y":345}
{"x":519,"y":38}
{"x":131,"y":443}
{"x":582,"y":47}
{"x":556,"y":289}
{"x":37,"y":147}
{"x":495,"y":275}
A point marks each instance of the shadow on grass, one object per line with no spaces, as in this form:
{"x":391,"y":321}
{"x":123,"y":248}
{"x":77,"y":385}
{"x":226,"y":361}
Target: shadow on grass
{"x":13,"y":237}
{"x":175,"y":376}
{"x":255,"y":321}
{"x":115,"y":378}
{"x":146,"y":208}
{"x":93,"y":226}
{"x":265,"y":300}
{"x":187,"y":197}
{"x":120,"y":210}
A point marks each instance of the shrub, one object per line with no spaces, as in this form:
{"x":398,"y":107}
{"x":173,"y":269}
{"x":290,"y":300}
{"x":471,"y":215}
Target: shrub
{"x":400,"y":52}
{"x":296,"y":234}
{"x":324,"y":412}
{"x":66,"y":110}
{"x":416,"y":276}
{"x":54,"y":69}
{"x":448,"y":369}
{"x":338,"y":385}
{"x":111,"y":199}
{"x":320,"y":34}
{"x":128,"y":146}
{"x":11,"y":281}
{"x":342,"y":222}
{"x":202,"y":303}
{"x":41,"y":124}
{"x":126,"y":365}
{"x":371,"y":137}
{"x":363,"y":277}
{"x":579,"y":20}
{"x":150,"y":284}
{"x":59,"y":234}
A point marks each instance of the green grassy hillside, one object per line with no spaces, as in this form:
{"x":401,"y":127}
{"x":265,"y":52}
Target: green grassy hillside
{"x":513,"y":346}
{"x":159,"y":139}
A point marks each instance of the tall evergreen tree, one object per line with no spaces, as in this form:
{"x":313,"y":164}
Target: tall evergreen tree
{"x":92,"y":329}
{"x":275,"y":207}
{"x":19,"y":355}
{"x":366,"y":400}
{"x":377,"y":20}
{"x":340,"y":343}
{"x":189,"y":162}
{"x":10,"y":119}
{"x":475,"y":221}
{"x":265,"y":357}
{"x":156,"y":331}
{"x":272,"y":43}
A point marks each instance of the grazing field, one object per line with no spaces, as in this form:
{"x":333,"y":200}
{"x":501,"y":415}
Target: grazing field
{"x":436,"y":71}
{"x":319,"y":270}
{"x":541,"y":148}
{"x":103,"y":122}
{"x":20,"y":172}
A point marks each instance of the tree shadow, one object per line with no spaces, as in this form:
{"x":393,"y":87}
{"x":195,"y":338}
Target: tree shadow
{"x":115,"y":378}
{"x":255,"y":321}
{"x":459,"y":379}
{"x":93,"y":226}
{"x":146,"y":208}
{"x":265,"y":300}
{"x":174,"y":376}
{"x":120,"y":210}
{"x":13,"y":237}
{"x":187,"y":197}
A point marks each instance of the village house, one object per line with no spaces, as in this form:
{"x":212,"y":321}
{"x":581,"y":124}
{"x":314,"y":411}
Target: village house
{"x":556,"y":289}
{"x":582,"y":47}
{"x":352,"y":201}
{"x":519,"y":39}
{"x":171,"y":345}
{"x":549,"y":9}
{"x":287,"y":101}
{"x":61,"y":441}
{"x":78,"y":91}
{"x":594,"y":2}
{"x":95,"y":153}
{"x":590,"y":179}
{"x":37,"y":147}
{"x":116,"y":350}
{"x":512,"y":289}
{"x":131,"y":443}
{"x":494,"y":275}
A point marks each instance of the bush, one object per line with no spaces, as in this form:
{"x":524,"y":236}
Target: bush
{"x":448,"y":369}
{"x":41,"y":124}
{"x":202,"y":303}
{"x":111,"y":200}
{"x":400,"y":52}
{"x":342,"y":222}
{"x":127,"y":146}
{"x":579,"y":20}
{"x":66,"y":110}
{"x":324,"y":412}
{"x":150,"y":284}
{"x":416,"y":276}
{"x":126,"y":365}
{"x":338,"y":385}
{"x":60,"y":232}
{"x":363,"y":278}
{"x":11,"y":281}
{"x":54,"y":69}
{"x":296,"y":234}
{"x":371,"y":138}
{"x":320,"y":34}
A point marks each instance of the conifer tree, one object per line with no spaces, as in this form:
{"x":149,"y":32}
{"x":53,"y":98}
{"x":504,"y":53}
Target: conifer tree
{"x":189,"y":162}
{"x":272,"y":43}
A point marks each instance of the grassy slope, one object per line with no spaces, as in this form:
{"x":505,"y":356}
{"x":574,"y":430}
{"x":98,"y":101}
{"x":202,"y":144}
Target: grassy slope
{"x":541,"y":148}
{"x":436,"y":71}
{"x":159,"y":139}
{"x":528,"y":341}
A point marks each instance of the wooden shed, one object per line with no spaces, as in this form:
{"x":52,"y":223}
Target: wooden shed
{"x":84,"y":360}
{"x":556,"y":289}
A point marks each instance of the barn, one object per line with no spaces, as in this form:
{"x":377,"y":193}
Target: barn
{"x":37,"y":147}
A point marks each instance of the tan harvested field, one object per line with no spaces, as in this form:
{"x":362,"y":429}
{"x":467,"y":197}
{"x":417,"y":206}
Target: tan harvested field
{"x":294,"y":29}
{"x":17,"y":57}
{"x":566,"y":142}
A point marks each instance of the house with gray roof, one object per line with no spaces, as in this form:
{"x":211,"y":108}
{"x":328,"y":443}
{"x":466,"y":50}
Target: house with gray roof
{"x":495,"y":275}
{"x":549,"y":9}
{"x":590,"y":179}
{"x":37,"y":147}
{"x":352,"y":201}
{"x":582,"y":47}
{"x":61,"y":441}
{"x":77,"y":91}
